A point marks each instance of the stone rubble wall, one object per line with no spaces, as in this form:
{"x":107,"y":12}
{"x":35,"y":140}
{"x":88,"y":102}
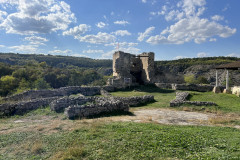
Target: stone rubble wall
{"x":105,"y":105}
{"x":186,"y":87}
{"x":136,"y":100}
{"x":64,"y":91}
{"x":60,"y":104}
{"x":181,"y":98}
{"x":20,"y":108}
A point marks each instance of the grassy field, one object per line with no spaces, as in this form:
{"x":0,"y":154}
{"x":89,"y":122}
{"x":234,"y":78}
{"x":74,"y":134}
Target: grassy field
{"x":124,"y":141}
{"x":227,"y":103}
{"x":43,"y":134}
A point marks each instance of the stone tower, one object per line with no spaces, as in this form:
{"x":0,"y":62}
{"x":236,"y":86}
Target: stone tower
{"x":138,"y":69}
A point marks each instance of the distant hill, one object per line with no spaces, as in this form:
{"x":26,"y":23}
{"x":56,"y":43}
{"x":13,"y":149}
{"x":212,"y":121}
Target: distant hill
{"x":198,"y":61}
{"x":54,"y":61}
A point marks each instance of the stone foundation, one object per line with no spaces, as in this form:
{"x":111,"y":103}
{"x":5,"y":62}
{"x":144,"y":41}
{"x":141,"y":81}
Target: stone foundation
{"x":181,"y":98}
{"x":105,"y":105}
{"x":20,"y":108}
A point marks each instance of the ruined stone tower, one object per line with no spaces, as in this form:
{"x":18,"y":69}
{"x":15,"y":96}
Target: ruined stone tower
{"x":129,"y":68}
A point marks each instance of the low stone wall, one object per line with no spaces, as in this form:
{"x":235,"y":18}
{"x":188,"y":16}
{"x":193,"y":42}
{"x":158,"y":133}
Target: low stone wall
{"x":186,"y":87}
{"x":136,"y":100}
{"x":64,"y":91}
{"x":105,"y":105}
{"x":164,"y":85}
{"x":193,"y":87}
{"x":105,"y":93}
{"x":181,"y":98}
{"x":60,"y":104}
{"x":20,"y":108}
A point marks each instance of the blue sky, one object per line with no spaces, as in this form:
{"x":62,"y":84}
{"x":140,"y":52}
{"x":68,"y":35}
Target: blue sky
{"x":172,"y":29}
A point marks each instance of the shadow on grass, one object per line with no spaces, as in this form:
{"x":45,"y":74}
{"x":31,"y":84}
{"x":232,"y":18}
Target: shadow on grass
{"x":150,"y":88}
{"x":107,"y":114}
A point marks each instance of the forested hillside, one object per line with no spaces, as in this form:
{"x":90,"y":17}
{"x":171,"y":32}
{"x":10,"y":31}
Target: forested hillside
{"x":54,"y":61}
{"x":20,"y":72}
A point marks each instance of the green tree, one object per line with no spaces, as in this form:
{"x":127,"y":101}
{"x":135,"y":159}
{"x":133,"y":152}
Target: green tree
{"x":8,"y":85}
{"x":190,"y":79}
{"x":41,"y":84}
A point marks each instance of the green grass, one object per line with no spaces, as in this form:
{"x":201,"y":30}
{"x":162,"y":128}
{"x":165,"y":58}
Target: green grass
{"x":162,"y":96}
{"x":226,"y":102}
{"x":125,"y":141}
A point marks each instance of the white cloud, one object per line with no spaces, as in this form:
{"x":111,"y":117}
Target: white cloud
{"x":57,"y":51}
{"x":234,"y":55}
{"x":1,"y":46}
{"x":123,"y":22}
{"x":36,"y":40}
{"x":122,"y":44}
{"x":122,"y":33}
{"x":101,"y":24}
{"x":2,"y":15}
{"x":188,"y":29}
{"x":25,"y":48}
{"x":217,"y":18}
{"x":37,"y":16}
{"x":145,"y":34}
{"x":202,"y":54}
{"x":212,"y":40}
{"x":100,"y":38}
{"x":90,"y":51}
{"x":144,"y":1}
{"x":179,"y":57}
{"x":133,"y":50}
{"x":77,"y":31}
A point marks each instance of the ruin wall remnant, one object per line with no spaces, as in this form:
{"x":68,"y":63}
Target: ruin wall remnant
{"x":132,"y":69}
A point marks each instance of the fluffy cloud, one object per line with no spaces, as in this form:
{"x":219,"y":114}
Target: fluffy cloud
{"x":217,"y":18}
{"x":133,"y":50}
{"x":25,"y":48}
{"x":90,"y":51}
{"x":122,"y":33}
{"x":100,"y":38}
{"x":144,"y":1}
{"x":36,"y":40}
{"x":1,"y":46}
{"x":101,"y":24}
{"x":122,"y":44}
{"x":145,"y":34}
{"x":179,"y":57}
{"x":57,"y":51}
{"x":77,"y":31}
{"x":123,"y":22}
{"x":190,"y":27}
{"x":37,"y":16}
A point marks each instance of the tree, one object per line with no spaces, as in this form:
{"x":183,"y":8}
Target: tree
{"x":41,"y":84}
{"x":8,"y":84}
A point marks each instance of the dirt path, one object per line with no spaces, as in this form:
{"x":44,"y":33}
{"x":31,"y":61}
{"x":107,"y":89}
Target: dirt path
{"x":50,"y":124}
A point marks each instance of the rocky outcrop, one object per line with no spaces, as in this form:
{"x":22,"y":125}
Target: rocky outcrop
{"x":181,"y":98}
